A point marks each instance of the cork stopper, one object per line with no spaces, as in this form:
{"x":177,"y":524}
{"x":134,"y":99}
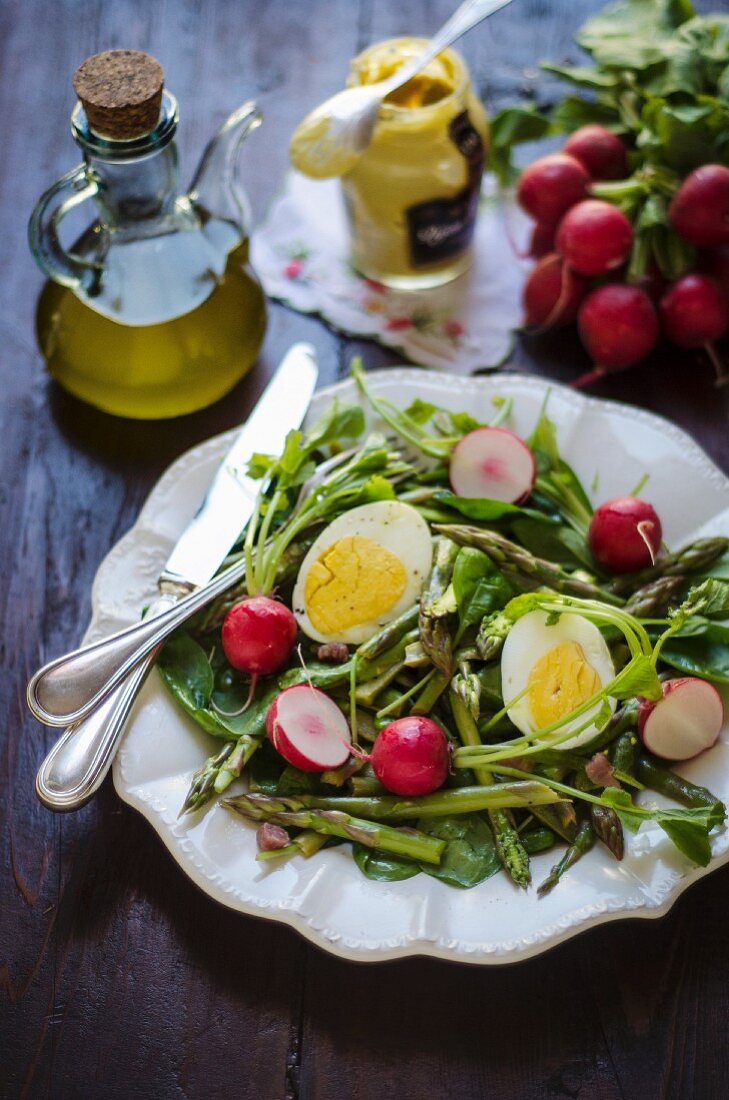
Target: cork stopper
{"x":121,"y":93}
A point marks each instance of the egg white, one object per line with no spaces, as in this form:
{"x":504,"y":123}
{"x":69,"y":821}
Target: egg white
{"x":529,"y":639}
{"x":397,"y":527}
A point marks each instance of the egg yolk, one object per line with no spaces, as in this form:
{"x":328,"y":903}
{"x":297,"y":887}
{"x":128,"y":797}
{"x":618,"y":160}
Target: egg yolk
{"x":354,"y":581}
{"x":558,"y":682}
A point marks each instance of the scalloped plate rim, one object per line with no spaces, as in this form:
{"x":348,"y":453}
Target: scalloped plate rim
{"x":541,"y":939}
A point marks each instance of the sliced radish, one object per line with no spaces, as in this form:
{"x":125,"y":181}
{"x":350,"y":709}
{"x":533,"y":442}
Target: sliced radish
{"x":687,"y":720}
{"x":494,"y":464}
{"x":308,"y":729}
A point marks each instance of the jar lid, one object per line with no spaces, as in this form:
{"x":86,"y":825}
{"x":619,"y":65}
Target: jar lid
{"x":121,"y":93}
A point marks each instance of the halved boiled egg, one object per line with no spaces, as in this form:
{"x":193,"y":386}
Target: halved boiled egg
{"x":550,"y":668}
{"x":364,"y":569}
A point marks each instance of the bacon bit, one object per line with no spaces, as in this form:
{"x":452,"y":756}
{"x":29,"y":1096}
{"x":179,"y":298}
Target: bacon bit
{"x":337,"y":652}
{"x":379,"y":288}
{"x":453,"y":328}
{"x":396,"y":324}
{"x":293,"y":269}
{"x":270,"y":838}
{"x":601,"y":771}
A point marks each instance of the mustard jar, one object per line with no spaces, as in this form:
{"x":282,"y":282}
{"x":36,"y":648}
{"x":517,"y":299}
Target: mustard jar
{"x":412,"y":197}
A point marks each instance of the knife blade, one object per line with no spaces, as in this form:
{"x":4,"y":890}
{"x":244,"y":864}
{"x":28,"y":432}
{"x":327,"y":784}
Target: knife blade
{"x":67,"y":689}
{"x":229,"y":501}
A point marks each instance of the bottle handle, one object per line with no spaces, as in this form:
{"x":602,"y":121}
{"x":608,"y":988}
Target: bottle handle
{"x":63,"y":267}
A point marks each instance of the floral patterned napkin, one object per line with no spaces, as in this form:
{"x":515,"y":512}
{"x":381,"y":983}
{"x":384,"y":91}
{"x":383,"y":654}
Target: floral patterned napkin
{"x":300,"y":253}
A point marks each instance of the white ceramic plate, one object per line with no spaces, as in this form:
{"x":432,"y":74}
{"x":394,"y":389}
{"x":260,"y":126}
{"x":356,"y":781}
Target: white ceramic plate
{"x":326,"y":898}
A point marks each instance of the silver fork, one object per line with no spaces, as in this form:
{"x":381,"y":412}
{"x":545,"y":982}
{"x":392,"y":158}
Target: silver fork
{"x":77,"y":765}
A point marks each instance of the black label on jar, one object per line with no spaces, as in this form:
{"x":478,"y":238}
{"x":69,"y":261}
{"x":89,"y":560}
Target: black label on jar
{"x":440,"y":229}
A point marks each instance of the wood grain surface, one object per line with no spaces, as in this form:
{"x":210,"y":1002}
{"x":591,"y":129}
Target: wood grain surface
{"x":118,"y":978}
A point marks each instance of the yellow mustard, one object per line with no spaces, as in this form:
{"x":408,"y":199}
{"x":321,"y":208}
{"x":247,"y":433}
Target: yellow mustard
{"x":412,"y":197}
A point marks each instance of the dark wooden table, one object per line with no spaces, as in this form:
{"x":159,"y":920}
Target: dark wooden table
{"x":118,"y":978}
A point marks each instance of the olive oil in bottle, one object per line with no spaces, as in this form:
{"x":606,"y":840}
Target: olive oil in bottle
{"x":155,"y":312}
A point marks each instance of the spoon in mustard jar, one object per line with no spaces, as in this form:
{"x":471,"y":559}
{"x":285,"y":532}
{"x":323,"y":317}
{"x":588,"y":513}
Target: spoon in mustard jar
{"x":333,"y":137}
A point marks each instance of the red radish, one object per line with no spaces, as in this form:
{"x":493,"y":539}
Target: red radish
{"x":494,"y":464}
{"x":542,"y":241}
{"x":258,"y":635}
{"x":594,"y":237}
{"x":653,"y":283}
{"x":551,"y":185}
{"x":625,"y":534}
{"x":411,"y":756}
{"x":716,"y":264}
{"x":687,"y":720}
{"x":694,"y":311}
{"x":552,"y":293}
{"x":308,"y":729}
{"x":619,"y":326}
{"x":600,"y":150}
{"x":699,"y":210}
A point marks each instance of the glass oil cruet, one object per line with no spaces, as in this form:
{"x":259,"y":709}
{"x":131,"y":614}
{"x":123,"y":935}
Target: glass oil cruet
{"x":154,"y":311}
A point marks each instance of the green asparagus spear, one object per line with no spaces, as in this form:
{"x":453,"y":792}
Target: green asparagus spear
{"x":519,"y":565}
{"x":652,"y":600}
{"x":219,"y":771}
{"x":435,"y":637}
{"x":492,"y":635}
{"x":582,"y":843}
{"x":291,"y":813}
{"x":608,"y":828}
{"x":624,"y":753}
{"x":560,"y":819}
{"x":467,"y":686}
{"x":306,"y":844}
{"x":694,"y":558}
{"x":537,"y":840}
{"x":443,"y":803}
{"x":661,"y":779}
{"x":508,"y":845}
{"x":389,"y":635}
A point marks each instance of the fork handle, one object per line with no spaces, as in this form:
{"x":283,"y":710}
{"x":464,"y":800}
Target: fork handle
{"x":75,"y":767}
{"x":65,"y":691}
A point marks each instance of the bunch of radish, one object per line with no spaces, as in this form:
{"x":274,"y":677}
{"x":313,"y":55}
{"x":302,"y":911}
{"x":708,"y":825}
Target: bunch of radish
{"x":583,"y":245}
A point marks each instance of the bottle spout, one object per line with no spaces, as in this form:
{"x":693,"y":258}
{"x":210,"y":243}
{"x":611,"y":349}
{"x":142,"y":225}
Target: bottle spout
{"x":216,"y":186}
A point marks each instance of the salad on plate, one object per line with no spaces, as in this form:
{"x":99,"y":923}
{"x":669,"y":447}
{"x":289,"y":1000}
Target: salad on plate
{"x":442,"y":656}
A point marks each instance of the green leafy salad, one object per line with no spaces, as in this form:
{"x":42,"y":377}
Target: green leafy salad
{"x":442,"y":656}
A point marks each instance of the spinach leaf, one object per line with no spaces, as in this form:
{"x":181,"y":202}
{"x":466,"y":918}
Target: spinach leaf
{"x":470,"y":854}
{"x":478,"y":586}
{"x":510,"y":127}
{"x":185,"y":666}
{"x":556,"y":543}
{"x":688,"y":828}
{"x":189,"y":677}
{"x":381,"y":867}
{"x":265,"y":768}
{"x":634,"y":34}
{"x":488,"y":511}
{"x":292,"y":781}
{"x":336,"y":422}
{"x":720,"y":568}
{"x":700,"y":652}
{"x":556,"y":480}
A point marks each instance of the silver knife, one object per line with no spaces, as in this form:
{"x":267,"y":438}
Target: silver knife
{"x":93,"y":688}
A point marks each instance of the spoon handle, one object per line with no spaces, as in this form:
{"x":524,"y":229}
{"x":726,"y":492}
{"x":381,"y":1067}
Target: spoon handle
{"x":466,"y":16}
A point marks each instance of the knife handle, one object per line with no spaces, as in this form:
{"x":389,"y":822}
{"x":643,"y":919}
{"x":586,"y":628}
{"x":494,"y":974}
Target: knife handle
{"x":65,"y":691}
{"x":75,"y":767}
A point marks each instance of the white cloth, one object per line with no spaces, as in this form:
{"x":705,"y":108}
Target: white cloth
{"x":300,"y":253}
